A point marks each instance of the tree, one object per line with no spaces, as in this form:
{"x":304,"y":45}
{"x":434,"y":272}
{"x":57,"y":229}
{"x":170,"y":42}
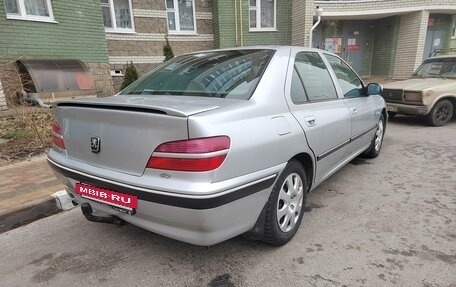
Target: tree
{"x":167,"y":50}
{"x":131,"y":75}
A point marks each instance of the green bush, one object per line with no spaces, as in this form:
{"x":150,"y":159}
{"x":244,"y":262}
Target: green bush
{"x":167,"y":50}
{"x":131,"y":75}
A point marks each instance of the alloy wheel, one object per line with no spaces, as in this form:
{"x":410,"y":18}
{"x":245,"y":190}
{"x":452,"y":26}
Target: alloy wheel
{"x":289,"y":204}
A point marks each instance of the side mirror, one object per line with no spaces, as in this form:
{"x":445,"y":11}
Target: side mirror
{"x":374,"y":89}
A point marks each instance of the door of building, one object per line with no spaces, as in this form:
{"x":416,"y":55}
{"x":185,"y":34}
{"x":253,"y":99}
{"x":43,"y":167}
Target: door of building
{"x":434,"y":41}
{"x":354,"y":44}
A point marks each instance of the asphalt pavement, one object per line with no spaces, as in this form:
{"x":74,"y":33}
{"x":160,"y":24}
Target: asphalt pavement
{"x":389,"y":221}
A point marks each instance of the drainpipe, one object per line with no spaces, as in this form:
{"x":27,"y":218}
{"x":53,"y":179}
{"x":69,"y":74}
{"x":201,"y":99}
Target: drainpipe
{"x":240,"y":15}
{"x":318,"y":12}
{"x":236,"y":21}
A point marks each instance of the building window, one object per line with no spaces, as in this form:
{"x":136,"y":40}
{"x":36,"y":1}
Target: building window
{"x":262,"y":15}
{"x":181,"y":16}
{"x":117,"y":16}
{"x":33,"y":10}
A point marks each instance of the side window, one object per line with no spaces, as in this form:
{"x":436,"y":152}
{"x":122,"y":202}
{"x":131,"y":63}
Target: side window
{"x":351,"y":84}
{"x":316,"y":84}
{"x":297,"y":92}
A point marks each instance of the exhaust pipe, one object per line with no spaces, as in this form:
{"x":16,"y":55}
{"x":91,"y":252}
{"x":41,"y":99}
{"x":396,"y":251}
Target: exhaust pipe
{"x":87,"y":212}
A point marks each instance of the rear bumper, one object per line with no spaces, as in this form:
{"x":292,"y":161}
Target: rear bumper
{"x":200,"y":220}
{"x":406,"y":109}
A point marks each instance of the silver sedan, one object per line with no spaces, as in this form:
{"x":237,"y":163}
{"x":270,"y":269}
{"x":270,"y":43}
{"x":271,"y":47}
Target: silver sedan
{"x":217,"y":143}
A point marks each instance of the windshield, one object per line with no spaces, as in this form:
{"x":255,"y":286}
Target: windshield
{"x":443,"y":68}
{"x":222,"y":74}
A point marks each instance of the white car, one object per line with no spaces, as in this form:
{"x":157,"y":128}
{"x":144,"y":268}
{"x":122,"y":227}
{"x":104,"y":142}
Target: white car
{"x":214,"y":144}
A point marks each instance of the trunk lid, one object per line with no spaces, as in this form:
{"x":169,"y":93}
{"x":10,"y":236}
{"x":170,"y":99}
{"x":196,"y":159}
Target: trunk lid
{"x":128,"y":128}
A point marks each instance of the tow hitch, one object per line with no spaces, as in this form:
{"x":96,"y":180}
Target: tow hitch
{"x":87,"y":212}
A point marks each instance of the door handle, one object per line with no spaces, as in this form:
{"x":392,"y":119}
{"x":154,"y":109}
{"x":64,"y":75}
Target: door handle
{"x":353,"y":110}
{"x":310,"y":121}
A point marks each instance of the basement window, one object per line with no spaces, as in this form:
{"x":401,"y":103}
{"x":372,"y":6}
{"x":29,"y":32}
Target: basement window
{"x":32,"y":10}
{"x":56,"y":78}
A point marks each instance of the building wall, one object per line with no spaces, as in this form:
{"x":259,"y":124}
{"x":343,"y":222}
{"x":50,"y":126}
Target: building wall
{"x":78,"y":34}
{"x":302,"y":12}
{"x":225,"y":25}
{"x":410,"y":43}
{"x":145,"y":47}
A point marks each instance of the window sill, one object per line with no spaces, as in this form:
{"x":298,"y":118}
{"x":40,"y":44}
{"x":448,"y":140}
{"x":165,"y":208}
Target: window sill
{"x":30,"y":18}
{"x":263,"y":30}
{"x":182,"y":33}
{"x":119,"y":31}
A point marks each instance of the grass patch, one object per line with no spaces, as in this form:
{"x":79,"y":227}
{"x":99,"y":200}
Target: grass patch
{"x":18,"y":134}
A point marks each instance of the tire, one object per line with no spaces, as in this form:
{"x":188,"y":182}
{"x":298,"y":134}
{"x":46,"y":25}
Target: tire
{"x":441,"y":113}
{"x":285,"y":207}
{"x":392,"y":115}
{"x":376,"y":144}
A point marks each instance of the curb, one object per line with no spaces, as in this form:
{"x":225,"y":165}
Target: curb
{"x":56,"y":203}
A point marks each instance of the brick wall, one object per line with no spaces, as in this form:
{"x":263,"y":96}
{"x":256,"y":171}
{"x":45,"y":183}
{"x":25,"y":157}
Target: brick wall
{"x":102,"y":78}
{"x":410,"y":44}
{"x":145,"y":47}
{"x":225,"y":25}
{"x":302,"y":13}
{"x":10,"y":83}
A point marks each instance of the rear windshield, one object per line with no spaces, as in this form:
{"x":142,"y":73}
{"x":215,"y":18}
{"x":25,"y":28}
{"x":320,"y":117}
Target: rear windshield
{"x":221,"y":74}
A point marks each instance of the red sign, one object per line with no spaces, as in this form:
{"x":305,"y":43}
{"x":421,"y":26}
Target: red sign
{"x":353,"y":47}
{"x":107,"y":196}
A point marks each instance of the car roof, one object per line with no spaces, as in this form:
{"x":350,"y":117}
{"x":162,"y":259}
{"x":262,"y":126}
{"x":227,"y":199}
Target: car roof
{"x":260,"y":47}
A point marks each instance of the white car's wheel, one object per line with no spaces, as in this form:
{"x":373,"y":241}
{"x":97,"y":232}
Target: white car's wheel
{"x":286,"y":203}
{"x":377,"y":142}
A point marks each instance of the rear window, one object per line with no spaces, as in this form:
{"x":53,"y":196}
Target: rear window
{"x":439,"y":67}
{"x":221,"y":74}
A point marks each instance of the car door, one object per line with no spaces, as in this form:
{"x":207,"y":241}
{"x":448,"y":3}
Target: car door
{"x":322,"y":114}
{"x":363,"y":109}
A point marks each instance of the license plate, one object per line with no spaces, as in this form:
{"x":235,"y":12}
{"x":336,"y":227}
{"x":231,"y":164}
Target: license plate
{"x":109,"y":197}
{"x":391,"y":109}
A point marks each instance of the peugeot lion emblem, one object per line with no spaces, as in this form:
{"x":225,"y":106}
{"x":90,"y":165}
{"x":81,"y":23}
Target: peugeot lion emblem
{"x":95,"y":144}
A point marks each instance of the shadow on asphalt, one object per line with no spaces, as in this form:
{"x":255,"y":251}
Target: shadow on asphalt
{"x":414,"y":120}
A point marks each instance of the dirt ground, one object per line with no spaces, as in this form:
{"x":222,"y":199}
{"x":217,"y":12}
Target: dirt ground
{"x":389,"y":221}
{"x":24,"y":133}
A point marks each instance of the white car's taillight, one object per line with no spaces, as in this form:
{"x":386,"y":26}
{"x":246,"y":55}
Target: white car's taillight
{"x":57,"y":135}
{"x":194,"y":155}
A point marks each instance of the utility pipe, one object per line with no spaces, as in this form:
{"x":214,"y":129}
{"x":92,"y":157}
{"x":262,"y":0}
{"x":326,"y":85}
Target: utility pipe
{"x":236,"y":21}
{"x":319,"y":11}
{"x":242,"y":35}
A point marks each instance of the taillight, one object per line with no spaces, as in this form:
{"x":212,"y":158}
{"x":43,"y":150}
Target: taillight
{"x":57,"y":135}
{"x":194,"y":155}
